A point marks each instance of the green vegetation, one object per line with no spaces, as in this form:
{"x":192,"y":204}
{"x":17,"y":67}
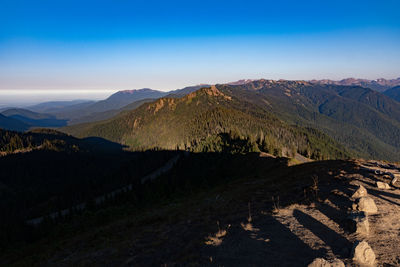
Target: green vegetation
{"x":46,"y":171}
{"x":209,"y":121}
{"x":364,"y":121}
{"x":393,"y":93}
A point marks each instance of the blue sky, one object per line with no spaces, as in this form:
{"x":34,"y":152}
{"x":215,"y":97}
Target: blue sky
{"x":106,"y":46}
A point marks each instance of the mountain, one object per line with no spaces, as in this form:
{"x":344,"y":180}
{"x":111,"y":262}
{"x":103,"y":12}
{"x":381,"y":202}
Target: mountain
{"x":186,"y":90}
{"x":209,"y":120}
{"x":123,"y":98}
{"x":104,"y":115}
{"x":54,"y":106}
{"x":393,"y":93}
{"x":120,"y":102}
{"x":34,"y":119}
{"x":12,"y":124}
{"x":241,"y":82}
{"x":359,"y":118}
{"x":379,"y":85}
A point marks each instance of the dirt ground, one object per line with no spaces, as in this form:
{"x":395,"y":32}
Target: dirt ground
{"x":297,"y":234}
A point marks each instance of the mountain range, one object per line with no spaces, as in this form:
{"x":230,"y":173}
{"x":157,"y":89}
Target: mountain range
{"x":206,"y":120}
{"x":379,"y":85}
{"x":364,"y":121}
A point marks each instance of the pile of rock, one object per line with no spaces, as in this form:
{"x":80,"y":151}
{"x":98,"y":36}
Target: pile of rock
{"x":363,"y":206}
{"x":363,"y":202}
{"x":362,"y":253}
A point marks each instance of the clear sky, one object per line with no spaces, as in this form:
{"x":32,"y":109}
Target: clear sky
{"x":104,"y":46}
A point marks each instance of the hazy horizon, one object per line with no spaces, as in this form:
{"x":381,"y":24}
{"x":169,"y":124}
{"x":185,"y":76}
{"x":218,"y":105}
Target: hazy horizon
{"x":90,"y":49}
{"x":27,"y":97}
{"x":103,"y":45}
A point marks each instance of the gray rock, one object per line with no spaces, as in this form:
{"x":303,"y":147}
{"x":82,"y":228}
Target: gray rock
{"x":363,"y":254}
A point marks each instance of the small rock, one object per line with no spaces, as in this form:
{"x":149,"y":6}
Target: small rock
{"x":361,"y":192}
{"x":337,"y":263}
{"x":394,"y":180}
{"x":358,"y":223}
{"x":320,"y":262}
{"x":382,"y":185}
{"x":363,"y":254}
{"x":366,"y":204}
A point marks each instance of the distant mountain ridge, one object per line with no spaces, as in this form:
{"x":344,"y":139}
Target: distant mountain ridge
{"x":53,"y":106}
{"x":379,"y":85}
{"x":18,"y":119}
{"x":34,"y":119}
{"x":12,"y":124}
{"x":125,"y":97}
{"x":81,"y":111}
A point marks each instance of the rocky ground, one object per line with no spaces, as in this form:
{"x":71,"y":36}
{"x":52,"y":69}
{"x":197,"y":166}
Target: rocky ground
{"x":298,"y":233}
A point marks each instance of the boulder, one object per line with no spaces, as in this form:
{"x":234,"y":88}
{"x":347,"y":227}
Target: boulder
{"x":382,"y":185}
{"x":363,"y":254}
{"x":320,"y":262}
{"x":358,"y":222}
{"x":366,"y":204}
{"x":361,"y":192}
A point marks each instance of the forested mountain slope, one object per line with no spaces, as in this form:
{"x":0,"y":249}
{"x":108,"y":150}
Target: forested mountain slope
{"x":393,"y":93}
{"x":208,"y":120}
{"x":364,"y":121}
{"x":359,"y":118}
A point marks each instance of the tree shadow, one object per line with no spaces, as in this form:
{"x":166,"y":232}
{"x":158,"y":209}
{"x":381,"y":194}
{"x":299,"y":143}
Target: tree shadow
{"x":268,"y":242}
{"x":339,"y":245}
